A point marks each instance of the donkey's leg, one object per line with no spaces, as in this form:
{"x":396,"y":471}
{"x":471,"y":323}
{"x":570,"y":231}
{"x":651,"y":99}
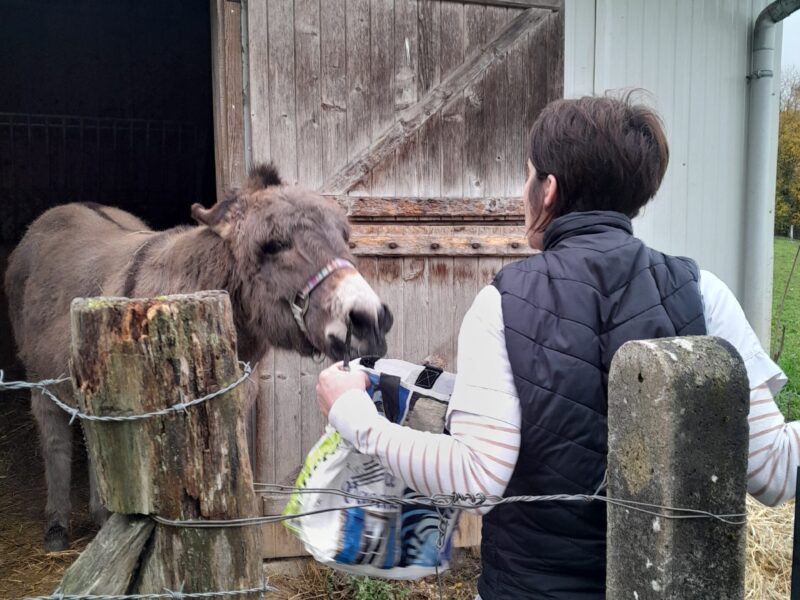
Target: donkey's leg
{"x":56,"y":439}
{"x":99,"y":512}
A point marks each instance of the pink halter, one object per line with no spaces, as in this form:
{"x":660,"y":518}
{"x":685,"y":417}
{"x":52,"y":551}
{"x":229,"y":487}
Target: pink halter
{"x":301,"y":300}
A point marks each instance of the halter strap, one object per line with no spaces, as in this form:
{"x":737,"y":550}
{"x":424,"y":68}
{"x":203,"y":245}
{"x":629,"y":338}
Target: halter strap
{"x":299,"y":304}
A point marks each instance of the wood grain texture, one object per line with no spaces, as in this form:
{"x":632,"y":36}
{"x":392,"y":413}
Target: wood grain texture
{"x":282,"y":105}
{"x":544,"y":4}
{"x":108,"y":564}
{"x":406,"y":96}
{"x":474,"y":114}
{"x":357,"y":34}
{"x":227,"y":91}
{"x":416,"y":115}
{"x":308,"y":73}
{"x":438,"y":240}
{"x":381,"y":88}
{"x":453,"y":45}
{"x":138,"y":356}
{"x":429,"y":75}
{"x":258,"y":65}
{"x":333,"y":86}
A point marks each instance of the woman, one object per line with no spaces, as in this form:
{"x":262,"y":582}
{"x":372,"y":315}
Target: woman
{"x":528,"y":413}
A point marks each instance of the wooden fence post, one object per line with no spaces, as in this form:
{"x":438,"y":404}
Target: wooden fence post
{"x":138,"y":356}
{"x":677,"y":437}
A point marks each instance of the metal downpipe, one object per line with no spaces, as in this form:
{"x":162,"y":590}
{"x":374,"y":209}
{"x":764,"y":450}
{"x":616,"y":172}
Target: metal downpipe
{"x":760,"y":170}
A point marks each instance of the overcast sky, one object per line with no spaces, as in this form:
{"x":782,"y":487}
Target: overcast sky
{"x":790,"y":54}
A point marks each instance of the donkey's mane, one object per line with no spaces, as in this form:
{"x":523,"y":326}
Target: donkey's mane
{"x":263,"y":176}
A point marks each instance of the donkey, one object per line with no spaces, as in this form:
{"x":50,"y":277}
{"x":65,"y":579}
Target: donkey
{"x":280,"y":251}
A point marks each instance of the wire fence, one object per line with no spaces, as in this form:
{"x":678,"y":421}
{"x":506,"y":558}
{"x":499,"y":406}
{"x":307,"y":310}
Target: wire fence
{"x":438,"y":501}
{"x":165,"y":595}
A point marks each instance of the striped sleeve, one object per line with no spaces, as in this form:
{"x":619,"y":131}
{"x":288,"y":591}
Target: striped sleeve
{"x":774,"y":450}
{"x":478,"y":457}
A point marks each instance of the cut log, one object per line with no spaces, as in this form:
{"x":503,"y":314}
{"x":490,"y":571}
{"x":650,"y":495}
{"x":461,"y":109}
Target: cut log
{"x":119,"y":543}
{"x":139,"y":356}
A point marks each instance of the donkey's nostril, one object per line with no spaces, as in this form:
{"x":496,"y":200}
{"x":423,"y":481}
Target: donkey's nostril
{"x":385,"y":319}
{"x":361,"y":322}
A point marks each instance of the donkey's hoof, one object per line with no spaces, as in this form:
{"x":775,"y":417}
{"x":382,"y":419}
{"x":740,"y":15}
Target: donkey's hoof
{"x":55,"y":540}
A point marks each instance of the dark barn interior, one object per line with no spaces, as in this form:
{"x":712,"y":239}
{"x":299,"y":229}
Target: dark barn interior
{"x":107,"y":102}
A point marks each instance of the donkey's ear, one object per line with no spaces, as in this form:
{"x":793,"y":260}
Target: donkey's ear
{"x":217,"y":218}
{"x":262,"y":176}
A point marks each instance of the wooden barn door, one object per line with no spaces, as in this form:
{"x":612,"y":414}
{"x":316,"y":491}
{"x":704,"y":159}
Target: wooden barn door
{"x":414,"y":114}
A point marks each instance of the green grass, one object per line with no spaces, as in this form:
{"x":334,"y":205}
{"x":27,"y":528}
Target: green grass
{"x":785,"y":251}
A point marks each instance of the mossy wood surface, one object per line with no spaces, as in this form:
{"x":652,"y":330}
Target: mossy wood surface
{"x":138,"y":356}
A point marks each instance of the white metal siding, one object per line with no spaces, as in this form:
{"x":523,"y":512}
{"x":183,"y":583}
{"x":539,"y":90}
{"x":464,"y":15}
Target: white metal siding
{"x":693,"y":57}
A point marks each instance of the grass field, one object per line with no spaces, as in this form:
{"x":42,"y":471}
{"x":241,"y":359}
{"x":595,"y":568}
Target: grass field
{"x":785,"y":251}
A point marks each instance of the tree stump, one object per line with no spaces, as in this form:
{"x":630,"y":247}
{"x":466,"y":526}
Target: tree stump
{"x":139,"y":356}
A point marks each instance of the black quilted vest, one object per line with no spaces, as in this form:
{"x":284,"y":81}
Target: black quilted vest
{"x":566,"y":312}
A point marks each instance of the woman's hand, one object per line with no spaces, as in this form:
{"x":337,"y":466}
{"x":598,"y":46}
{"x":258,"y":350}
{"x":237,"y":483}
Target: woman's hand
{"x":334,"y":382}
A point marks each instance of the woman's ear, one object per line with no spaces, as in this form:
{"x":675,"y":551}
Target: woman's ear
{"x":550,"y":192}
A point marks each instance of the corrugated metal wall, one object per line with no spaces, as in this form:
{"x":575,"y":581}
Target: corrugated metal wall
{"x":693,"y":55}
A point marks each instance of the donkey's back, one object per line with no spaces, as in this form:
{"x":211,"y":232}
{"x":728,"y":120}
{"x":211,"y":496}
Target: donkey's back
{"x":70,"y":251}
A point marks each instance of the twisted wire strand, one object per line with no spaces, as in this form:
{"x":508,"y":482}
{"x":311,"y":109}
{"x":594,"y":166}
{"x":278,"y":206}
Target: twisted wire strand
{"x":166,"y":595}
{"x":454,"y":501}
{"x":75,"y":413}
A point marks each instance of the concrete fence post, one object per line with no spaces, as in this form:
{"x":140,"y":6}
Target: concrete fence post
{"x":677,"y":437}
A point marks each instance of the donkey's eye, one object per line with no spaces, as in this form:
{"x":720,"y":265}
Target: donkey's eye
{"x":272,"y":247}
{"x":346,"y":235}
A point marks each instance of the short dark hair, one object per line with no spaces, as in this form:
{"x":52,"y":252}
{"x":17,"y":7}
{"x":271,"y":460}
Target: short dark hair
{"x":605,"y":153}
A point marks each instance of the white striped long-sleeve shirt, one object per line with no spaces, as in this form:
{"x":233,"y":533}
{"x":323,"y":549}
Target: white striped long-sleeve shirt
{"x":484,"y":413}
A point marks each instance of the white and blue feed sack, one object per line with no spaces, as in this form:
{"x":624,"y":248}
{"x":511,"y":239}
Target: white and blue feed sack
{"x":377,"y":540}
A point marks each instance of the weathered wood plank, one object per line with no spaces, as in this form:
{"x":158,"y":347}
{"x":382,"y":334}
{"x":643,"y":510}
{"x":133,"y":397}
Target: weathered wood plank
{"x":284,"y":121}
{"x":357,"y":24}
{"x":555,"y":56}
{"x":542,"y":4}
{"x":140,"y":356}
{"x":307,"y":86}
{"x":415,"y":318}
{"x":438,"y":240}
{"x":475,"y":132}
{"x":282,"y":105}
{"x":226,"y":78}
{"x":389,"y":286}
{"x":465,"y":288}
{"x":381,"y":88}
{"x":310,"y":173}
{"x":266,"y":470}
{"x":496,"y":111}
{"x":108,"y":564}
{"x":517,"y":126}
{"x":442,"y":331}
{"x":488,"y":267}
{"x":406,"y":94}
{"x":414,"y":117}
{"x":333,"y":58}
{"x":258,"y":66}
{"x":453,"y":50}
{"x":429,"y":74}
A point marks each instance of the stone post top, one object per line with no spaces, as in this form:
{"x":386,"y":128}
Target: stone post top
{"x":697,"y":356}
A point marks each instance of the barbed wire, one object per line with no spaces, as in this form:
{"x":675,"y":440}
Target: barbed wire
{"x":165,"y":595}
{"x":442,"y":501}
{"x":75,"y":413}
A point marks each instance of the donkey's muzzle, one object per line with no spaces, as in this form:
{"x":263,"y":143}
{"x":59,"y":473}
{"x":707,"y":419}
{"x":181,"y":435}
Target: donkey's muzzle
{"x":368,"y":334}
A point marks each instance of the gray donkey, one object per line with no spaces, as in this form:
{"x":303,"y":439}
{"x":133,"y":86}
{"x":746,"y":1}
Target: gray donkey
{"x":280,"y":251}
